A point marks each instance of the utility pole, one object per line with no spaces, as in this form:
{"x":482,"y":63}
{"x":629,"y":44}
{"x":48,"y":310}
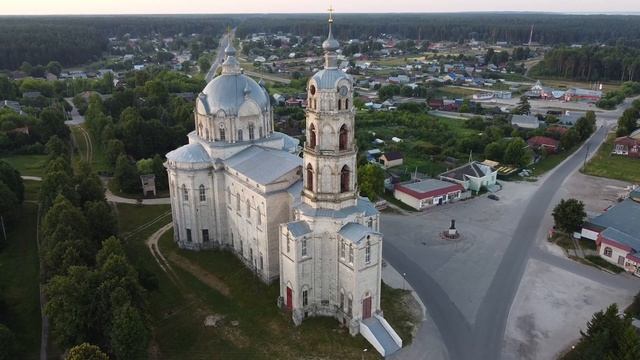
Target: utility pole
{"x":586,"y":155}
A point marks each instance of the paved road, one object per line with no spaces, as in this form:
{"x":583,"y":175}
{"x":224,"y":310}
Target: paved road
{"x":224,"y":41}
{"x":483,"y":339}
{"x":76,"y":118}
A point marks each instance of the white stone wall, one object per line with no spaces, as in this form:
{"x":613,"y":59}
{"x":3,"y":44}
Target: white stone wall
{"x":616,"y":252}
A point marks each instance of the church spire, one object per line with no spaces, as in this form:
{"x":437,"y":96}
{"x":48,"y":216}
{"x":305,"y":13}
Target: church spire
{"x":230,"y":66}
{"x":330,"y":45}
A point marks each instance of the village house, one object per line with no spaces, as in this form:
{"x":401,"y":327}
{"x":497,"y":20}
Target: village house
{"x":617,"y":233}
{"x":472,"y":176}
{"x":628,"y":145}
{"x":427,"y":193}
{"x":543,"y":143}
{"x":525,"y":121}
{"x":391,"y":159}
{"x":583,"y":95}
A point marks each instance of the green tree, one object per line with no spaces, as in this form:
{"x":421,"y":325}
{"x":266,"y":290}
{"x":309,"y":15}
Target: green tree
{"x":204,"y":64}
{"x":523,"y":108}
{"x":129,"y":334}
{"x":516,"y":153}
{"x":371,"y":181}
{"x":8,"y":202}
{"x":71,"y":305}
{"x":584,"y":128}
{"x":101,"y":219}
{"x":115,"y":148}
{"x":86,"y":351}
{"x":628,"y":122}
{"x":56,"y":148}
{"x":7,"y":343}
{"x":495,"y":151}
{"x":126,"y":174}
{"x":569,"y":215}
{"x":569,"y":139}
{"x":54,"y":67}
{"x":89,"y":186}
{"x":608,"y":336}
{"x":11,"y":177}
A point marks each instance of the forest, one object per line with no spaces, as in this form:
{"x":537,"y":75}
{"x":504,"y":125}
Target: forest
{"x":75,"y":40}
{"x":593,"y":63}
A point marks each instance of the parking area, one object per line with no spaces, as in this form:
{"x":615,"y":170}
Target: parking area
{"x":463,"y":267}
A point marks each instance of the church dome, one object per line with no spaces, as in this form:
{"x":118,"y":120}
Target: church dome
{"x":228,"y":92}
{"x":327,"y":79}
{"x":191,"y":153}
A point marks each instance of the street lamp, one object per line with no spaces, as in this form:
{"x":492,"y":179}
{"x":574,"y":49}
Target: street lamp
{"x":404,"y":281}
{"x":364,"y":352}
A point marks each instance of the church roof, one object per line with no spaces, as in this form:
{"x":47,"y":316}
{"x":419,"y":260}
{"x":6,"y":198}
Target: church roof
{"x":263,"y":165}
{"x":298,"y":228}
{"x":355,"y":232}
{"x":192,"y":153}
{"x":228,"y":92}
{"x":327,"y":79}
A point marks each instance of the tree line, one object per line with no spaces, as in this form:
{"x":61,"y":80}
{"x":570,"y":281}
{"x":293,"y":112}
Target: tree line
{"x":491,"y":27}
{"x":591,"y":63}
{"x":94,"y":295}
{"x":75,"y":40}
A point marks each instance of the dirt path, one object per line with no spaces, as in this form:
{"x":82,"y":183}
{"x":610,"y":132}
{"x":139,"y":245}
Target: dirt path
{"x":201,"y":274}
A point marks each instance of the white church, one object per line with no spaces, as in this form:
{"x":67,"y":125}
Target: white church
{"x":241,"y":186}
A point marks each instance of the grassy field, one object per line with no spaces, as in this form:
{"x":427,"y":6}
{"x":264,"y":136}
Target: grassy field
{"x":179,"y":306}
{"x":551,"y":161}
{"x":30,"y":165}
{"x":604,"y":164}
{"x":566,"y":84}
{"x":454,"y":92}
{"x":19,"y":279}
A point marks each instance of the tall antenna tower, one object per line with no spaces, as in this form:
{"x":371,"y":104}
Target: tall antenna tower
{"x":531,"y":36}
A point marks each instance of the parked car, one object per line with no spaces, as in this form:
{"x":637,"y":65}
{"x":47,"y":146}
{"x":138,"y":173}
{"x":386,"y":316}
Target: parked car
{"x":493,"y":197}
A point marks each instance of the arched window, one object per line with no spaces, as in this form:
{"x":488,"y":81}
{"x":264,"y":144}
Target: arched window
{"x":185,"y":193}
{"x":222,"y":134}
{"x":251,"y":132}
{"x":207,"y":131}
{"x":240,"y":135}
{"x":248,"y":209}
{"x":260,"y":133}
{"x":259,"y":215}
{"x":309,"y":177}
{"x":367,"y":253}
{"x":370,"y":223}
{"x":608,"y":252}
{"x":312,"y":136}
{"x":203,"y":194}
{"x":344,"y":179}
{"x":238,"y":203}
{"x":344,"y":137}
{"x":346,"y":104}
{"x":339,"y":104}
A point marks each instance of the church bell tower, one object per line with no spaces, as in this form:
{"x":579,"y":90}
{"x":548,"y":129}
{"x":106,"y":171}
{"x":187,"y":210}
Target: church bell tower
{"x":330,"y":151}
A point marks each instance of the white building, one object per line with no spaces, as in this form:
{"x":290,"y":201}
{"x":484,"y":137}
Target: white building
{"x":472,"y":176}
{"x":331,"y":253}
{"x":236,"y":180}
{"x":238,"y":185}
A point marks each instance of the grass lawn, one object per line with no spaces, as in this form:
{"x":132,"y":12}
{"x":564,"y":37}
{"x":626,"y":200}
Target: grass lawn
{"x":29,"y":165}
{"x":551,"y":161}
{"x":597,"y":260}
{"x":452,"y":92}
{"x":604,"y":164}
{"x":178,"y":309}
{"x":19,"y":280}
{"x":459,"y":127}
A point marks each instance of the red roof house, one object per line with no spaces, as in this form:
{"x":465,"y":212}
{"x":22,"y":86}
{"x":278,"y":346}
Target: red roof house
{"x":543,"y":142}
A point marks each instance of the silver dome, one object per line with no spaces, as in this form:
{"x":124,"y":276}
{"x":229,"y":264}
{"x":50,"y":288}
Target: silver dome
{"x":191,"y":153}
{"x":327,"y":79}
{"x":228,"y":92}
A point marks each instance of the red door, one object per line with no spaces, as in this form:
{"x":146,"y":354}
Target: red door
{"x":366,"y":308}
{"x":289,"y":298}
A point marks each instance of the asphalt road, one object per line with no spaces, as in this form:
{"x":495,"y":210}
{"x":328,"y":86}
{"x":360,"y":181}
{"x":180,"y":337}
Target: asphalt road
{"x":483,"y":339}
{"x":224,"y":41}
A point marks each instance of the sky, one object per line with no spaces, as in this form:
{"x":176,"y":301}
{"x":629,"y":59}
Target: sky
{"x":47,"y":7}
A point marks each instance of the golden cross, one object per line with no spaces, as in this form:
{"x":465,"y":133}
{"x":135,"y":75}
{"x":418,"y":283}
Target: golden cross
{"x":331,"y":13}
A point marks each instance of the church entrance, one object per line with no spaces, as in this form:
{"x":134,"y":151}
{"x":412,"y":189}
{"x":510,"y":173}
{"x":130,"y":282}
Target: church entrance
{"x":366,"y":308}
{"x":289,"y":298}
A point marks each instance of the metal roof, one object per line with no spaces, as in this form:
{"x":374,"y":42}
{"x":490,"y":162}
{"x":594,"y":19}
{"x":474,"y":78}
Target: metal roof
{"x":355,"y":232}
{"x":298,"y":228}
{"x":228,"y":92}
{"x":263,"y":165}
{"x":191,"y":153}
{"x":624,"y":217}
{"x":327,"y":79}
{"x":622,"y":238}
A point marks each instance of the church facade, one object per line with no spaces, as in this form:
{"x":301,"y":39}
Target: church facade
{"x":239,"y":185}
